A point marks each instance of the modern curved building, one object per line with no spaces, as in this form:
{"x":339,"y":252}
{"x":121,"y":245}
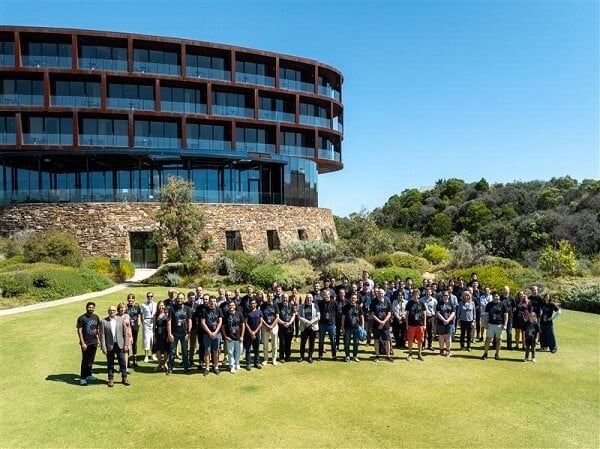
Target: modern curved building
{"x":93,"y":123}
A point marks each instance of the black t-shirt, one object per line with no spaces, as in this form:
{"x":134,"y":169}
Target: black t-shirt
{"x":414,"y":313}
{"x":253,"y":318}
{"x":495,"y":312}
{"x":196,"y":316}
{"x":532,"y":329}
{"x":380,"y":309}
{"x":352,"y":314}
{"x":536,"y":302}
{"x":179,"y":317}
{"x":445,"y":309}
{"x":328,"y":311}
{"x":547,"y":311}
{"x":89,"y":328}
{"x":211,"y":317}
{"x":510,"y":304}
{"x":232,"y":324}
{"x":133,"y":311}
{"x":269,"y":312}
{"x":286,"y":312}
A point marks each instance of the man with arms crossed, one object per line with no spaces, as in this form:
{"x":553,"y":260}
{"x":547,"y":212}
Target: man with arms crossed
{"x":497,"y":315}
{"x":87,"y":331}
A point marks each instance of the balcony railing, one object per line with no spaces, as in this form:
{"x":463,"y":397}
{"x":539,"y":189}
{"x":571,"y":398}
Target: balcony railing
{"x":205,"y":144}
{"x":157,"y":142}
{"x":115,"y":65}
{"x":256,"y":147}
{"x":185,"y":108}
{"x":276,"y":116}
{"x":330,"y":92}
{"x":76,"y":101}
{"x":7,"y":60}
{"x":296,"y":85}
{"x":293,"y":150}
{"x":47,"y":139}
{"x":213,"y":74}
{"x":330,"y":155}
{"x":104,"y":140}
{"x":47,"y":61}
{"x":315,"y":121}
{"x":157,"y":67}
{"x":130,"y":103}
{"x":250,"y":78}
{"x":8,"y":139}
{"x":232,"y":111}
{"x":21,"y":100}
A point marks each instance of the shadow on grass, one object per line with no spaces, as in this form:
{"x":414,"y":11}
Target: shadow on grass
{"x":71,"y":379}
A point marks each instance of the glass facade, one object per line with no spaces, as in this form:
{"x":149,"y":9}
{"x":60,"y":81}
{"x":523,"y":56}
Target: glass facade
{"x":296,"y":144}
{"x":210,"y":67}
{"x":207,"y":137}
{"x":8,"y":131}
{"x":48,"y":131}
{"x":7,"y":53}
{"x":294,"y":80}
{"x":312,"y":114}
{"x":103,"y":57}
{"x":78,"y":94}
{"x":253,"y":73}
{"x":21,"y":92}
{"x":276,"y":109}
{"x":155,"y":61}
{"x":232,"y":104}
{"x":130,"y":96}
{"x":104,"y":132}
{"x":47,"y":54}
{"x":255,"y":139}
{"x":156,"y":134}
{"x":184,"y":100}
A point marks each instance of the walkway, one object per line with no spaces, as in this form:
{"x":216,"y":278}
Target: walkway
{"x":140,"y":275}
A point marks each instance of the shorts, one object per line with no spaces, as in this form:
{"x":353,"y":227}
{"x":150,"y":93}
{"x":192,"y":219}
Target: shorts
{"x":415,"y":332}
{"x":445,"y":329}
{"x":382,"y":334}
{"x":210,"y":344}
{"x":494,"y":331}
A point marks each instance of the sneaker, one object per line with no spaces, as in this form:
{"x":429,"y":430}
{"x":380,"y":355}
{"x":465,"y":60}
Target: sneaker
{"x":83,"y":382}
{"x":420,"y":357}
{"x":257,"y":366}
{"x":310,"y":360}
{"x":205,"y":372}
{"x":232,"y":370}
{"x":346,"y":359}
{"x":469,"y":349}
{"x":554,"y":351}
{"x":216,"y":371}
{"x":376,"y":359}
{"x":534,"y":360}
{"x":264,"y":363}
{"x":497,"y":356}
{"x":525,"y":359}
{"x":154,"y":358}
{"x":389,"y":359}
{"x":301,"y":359}
{"x":91,"y":378}
{"x":356,"y":359}
{"x":408,"y":357}
{"x":146,"y":359}
{"x":248,"y":368}
{"x":484,"y":356}
{"x":237,"y":367}
{"x":169,"y":371}
{"x":447,"y":353}
{"x":275,"y":362}
{"x":125,"y":382}
{"x":111,"y":383}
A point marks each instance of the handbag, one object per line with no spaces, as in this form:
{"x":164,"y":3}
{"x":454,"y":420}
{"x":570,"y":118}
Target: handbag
{"x":362,"y":333}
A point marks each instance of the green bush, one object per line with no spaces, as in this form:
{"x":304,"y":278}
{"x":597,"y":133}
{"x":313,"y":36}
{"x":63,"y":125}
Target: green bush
{"x":159,"y":277}
{"x":264,"y":275}
{"x":584,"y":298}
{"x":103,"y":266}
{"x":172,"y":280}
{"x":407,"y":260}
{"x":595,"y":267}
{"x":296,"y":273}
{"x":381,"y":275}
{"x":317,"y":252}
{"x":351,"y":268}
{"x":381,"y":260}
{"x":436,"y":254}
{"x":236,"y":265}
{"x":496,"y":277}
{"x":10,"y":247}
{"x":501,"y":262}
{"x":45,"y":281}
{"x":14,"y":260}
{"x":52,"y":247}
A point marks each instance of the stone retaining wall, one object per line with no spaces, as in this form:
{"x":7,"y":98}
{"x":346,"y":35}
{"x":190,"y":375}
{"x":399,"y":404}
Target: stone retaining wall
{"x":102,"y":229}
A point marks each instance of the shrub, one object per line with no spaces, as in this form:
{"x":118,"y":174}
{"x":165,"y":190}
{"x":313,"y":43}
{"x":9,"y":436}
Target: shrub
{"x":436,"y":254}
{"x":381,"y":260}
{"x":407,"y":260}
{"x":559,"y":261}
{"x":265,"y":275}
{"x":595,"y":267}
{"x":501,"y":262}
{"x":10,"y":247}
{"x":381,"y":275}
{"x":236,"y":265}
{"x":102,"y":265}
{"x":463,"y":253}
{"x":14,"y":260}
{"x":584,"y":298}
{"x":297,"y":273}
{"x":159,"y":277}
{"x":15,"y":284}
{"x":52,"y":247}
{"x":351,"y":268}
{"x":172,"y":280}
{"x":496,"y":277}
{"x":317,"y":252}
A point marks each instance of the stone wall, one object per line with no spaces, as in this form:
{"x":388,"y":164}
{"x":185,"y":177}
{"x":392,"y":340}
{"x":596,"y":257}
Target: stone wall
{"x":102,"y":229}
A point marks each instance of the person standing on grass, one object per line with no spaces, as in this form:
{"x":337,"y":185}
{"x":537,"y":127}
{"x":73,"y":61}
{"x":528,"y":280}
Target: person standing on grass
{"x":484,"y":300}
{"x":416,"y":317}
{"x":192,"y":303}
{"x":521,"y":318}
{"x":352,"y":319}
{"x":287,"y":317}
{"x":233,"y":333}
{"x":497,"y":315}
{"x":381,"y":311}
{"x":270,"y":328}
{"x":328,"y":310}
{"x":309,"y":324}
{"x":531,"y":335}
{"x":113,"y":341}
{"x":211,"y":322}
{"x":430,"y":304}
{"x":399,"y":319}
{"x":178,"y":331}
{"x":444,"y":313}
{"x":134,"y":311}
{"x":87,"y":331}
{"x":341,"y":302}
{"x":550,"y":312}
{"x":122,"y":312}
{"x":161,"y":342}
{"x":148,"y":309}
{"x":253,"y":323}
{"x":467,"y":312}
{"x":510,"y":304}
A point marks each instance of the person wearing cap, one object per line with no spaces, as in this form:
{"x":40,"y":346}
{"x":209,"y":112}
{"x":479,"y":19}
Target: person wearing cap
{"x":87,"y":331}
{"x":113,"y":342}
{"x":148,"y":310}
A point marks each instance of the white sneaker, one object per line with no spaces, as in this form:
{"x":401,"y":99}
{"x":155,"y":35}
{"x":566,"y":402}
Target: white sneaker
{"x":91,"y":378}
{"x":232,"y":370}
{"x":356,"y":359}
{"x":264,"y":363}
{"x":275,"y":362}
{"x":146,"y":359}
{"x":237,"y":367}
{"x":534,"y":360}
{"x":154,"y":357}
{"x":83,"y":382}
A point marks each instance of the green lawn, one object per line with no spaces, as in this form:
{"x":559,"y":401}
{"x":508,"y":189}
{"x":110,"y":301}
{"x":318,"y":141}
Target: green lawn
{"x":449,"y":403}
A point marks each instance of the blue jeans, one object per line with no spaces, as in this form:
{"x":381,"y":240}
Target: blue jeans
{"x":351,"y":334}
{"x":326,"y":329}
{"x":184,"y":351}
{"x":110,"y":362}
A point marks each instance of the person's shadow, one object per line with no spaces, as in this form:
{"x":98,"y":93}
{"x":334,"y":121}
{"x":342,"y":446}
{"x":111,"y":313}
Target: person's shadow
{"x":71,"y":379}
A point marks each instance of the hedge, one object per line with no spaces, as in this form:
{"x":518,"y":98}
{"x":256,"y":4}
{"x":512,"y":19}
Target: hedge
{"x":347,"y":268}
{"x":584,"y":297}
{"x":381,"y":275}
{"x":297,"y":273}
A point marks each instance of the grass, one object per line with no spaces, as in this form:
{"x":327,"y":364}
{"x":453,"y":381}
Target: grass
{"x":449,"y":403}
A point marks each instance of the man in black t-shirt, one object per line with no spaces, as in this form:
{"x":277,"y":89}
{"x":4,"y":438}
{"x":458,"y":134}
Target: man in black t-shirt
{"x":270,"y":328}
{"x":381,"y":312}
{"x":87,"y":331}
{"x":497,"y":318}
{"x":287,"y":317}
{"x":211,"y":322}
{"x":253,"y":322}
{"x":328,"y":309}
{"x":511,"y":305}
{"x":352,"y":319}
{"x":416,"y":318}
{"x":178,"y":331}
{"x":233,"y":333}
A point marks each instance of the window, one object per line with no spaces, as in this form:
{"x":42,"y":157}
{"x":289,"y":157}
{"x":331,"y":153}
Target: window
{"x":155,"y":134}
{"x":22,"y":92}
{"x":302,"y":235}
{"x":104,"y":132}
{"x":47,"y":54}
{"x":76,"y":93}
{"x":130,"y":96}
{"x":179,"y":99}
{"x":233,"y":241}
{"x":273,"y":239}
{"x":7,"y":53}
{"x":101,"y":57}
{"x":202,"y":66}
{"x":8,"y":134}
{"x":48,"y":131}
{"x":155,"y":61}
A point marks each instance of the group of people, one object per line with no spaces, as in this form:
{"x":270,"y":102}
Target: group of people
{"x":185,"y":324}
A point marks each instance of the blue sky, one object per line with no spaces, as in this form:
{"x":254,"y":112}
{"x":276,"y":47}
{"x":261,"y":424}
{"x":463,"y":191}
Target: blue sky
{"x":506,"y":90}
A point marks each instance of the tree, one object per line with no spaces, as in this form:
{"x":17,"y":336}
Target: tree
{"x":559,"y":261}
{"x":180,"y":221}
{"x":440,"y":225}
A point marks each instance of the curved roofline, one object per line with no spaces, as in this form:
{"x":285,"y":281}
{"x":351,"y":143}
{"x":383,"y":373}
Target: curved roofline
{"x":172,"y":40}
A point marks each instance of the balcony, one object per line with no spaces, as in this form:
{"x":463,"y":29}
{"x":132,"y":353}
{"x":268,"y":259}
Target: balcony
{"x":157,"y":67}
{"x":103,"y":140}
{"x":21,"y":100}
{"x":330,"y":155}
{"x":315,"y":121}
{"x":184,"y":108}
{"x":7,"y":60}
{"x":296,"y":85}
{"x":115,"y":65}
{"x":130,"y":103}
{"x":47,"y":139}
{"x":330,"y":92}
{"x":157,"y":142}
{"x":276,"y":116}
{"x":232,"y":111}
{"x":47,"y":61}
{"x":76,"y":101}
{"x":256,"y":147}
{"x":206,"y":144}
{"x":293,"y":150}
{"x":8,"y":139}
{"x":212,"y":74}
{"x":250,"y":78}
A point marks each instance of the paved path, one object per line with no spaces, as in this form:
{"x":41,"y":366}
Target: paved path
{"x":140,"y":275}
